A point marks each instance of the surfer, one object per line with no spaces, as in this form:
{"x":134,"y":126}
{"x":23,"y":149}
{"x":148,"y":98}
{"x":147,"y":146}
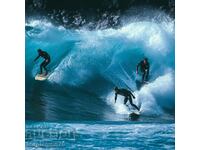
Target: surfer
{"x":144,"y":68}
{"x":127,"y":96}
{"x":46,"y":61}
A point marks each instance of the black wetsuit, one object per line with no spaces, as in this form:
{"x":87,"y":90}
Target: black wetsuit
{"x":144,"y":68}
{"x":46,"y":61}
{"x":127,"y":94}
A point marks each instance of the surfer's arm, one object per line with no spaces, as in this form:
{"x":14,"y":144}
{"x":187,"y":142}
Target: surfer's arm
{"x":36,"y":57}
{"x":137,"y":67}
{"x":147,"y":70}
{"x":115,"y":97}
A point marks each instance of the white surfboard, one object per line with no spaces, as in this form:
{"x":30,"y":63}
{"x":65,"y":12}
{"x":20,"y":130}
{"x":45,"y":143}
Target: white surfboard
{"x":41,"y":77}
{"x":135,"y":112}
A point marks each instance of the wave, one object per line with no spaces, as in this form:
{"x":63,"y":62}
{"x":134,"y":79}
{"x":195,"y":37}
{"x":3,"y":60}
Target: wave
{"x":99,"y":14}
{"x":98,"y":60}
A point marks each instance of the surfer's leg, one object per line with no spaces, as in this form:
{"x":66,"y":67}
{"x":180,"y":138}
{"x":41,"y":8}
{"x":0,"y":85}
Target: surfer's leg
{"x":44,"y":66}
{"x":46,"y":71}
{"x":143,"y":75}
{"x":131,"y":102}
{"x":147,"y":75}
{"x":41,"y":66}
{"x":125,"y":100}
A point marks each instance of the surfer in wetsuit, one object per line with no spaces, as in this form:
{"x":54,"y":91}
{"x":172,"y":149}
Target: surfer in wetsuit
{"x":144,"y":68}
{"x":127,"y":94}
{"x":46,"y":61}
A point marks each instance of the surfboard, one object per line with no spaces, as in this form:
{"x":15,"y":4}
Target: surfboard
{"x":40,"y":77}
{"x":134,"y":115}
{"x":139,"y":84}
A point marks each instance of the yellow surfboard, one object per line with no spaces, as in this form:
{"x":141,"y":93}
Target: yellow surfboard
{"x":41,"y":77}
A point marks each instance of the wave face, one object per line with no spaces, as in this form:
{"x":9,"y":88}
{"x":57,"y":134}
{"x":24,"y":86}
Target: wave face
{"x":87,"y":64}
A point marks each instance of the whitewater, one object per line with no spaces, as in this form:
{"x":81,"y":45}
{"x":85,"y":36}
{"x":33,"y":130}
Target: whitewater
{"x":86,"y":65}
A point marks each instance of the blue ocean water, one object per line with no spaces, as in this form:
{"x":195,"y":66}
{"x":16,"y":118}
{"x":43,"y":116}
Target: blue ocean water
{"x":85,"y":67}
{"x":100,"y":135}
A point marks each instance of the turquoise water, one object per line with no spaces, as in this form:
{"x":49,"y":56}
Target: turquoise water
{"x":100,"y":135}
{"x":86,"y":65}
{"x":74,"y":108}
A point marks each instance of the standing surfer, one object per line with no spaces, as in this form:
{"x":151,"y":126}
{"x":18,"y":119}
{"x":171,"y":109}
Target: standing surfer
{"x":144,"y":68}
{"x":46,"y":61}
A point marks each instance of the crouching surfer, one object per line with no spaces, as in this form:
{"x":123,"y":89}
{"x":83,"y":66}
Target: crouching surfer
{"x":127,"y":96}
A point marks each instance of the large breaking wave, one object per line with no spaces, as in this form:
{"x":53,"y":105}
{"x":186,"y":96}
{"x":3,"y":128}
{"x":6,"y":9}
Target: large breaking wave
{"x":98,"y":60}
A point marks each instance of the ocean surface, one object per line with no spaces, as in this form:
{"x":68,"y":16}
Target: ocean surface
{"x":74,"y":108}
{"x":100,"y":135}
